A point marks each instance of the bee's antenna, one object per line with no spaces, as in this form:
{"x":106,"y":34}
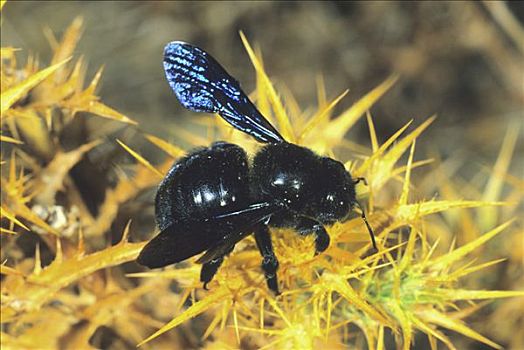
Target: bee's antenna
{"x":363,"y":216}
{"x":358,"y":179}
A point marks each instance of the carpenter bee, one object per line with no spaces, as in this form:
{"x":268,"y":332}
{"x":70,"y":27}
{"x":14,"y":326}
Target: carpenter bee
{"x":215,"y":196}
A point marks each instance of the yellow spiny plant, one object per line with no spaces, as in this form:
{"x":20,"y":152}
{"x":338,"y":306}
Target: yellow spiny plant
{"x":38,"y":305}
{"x":418,"y":283}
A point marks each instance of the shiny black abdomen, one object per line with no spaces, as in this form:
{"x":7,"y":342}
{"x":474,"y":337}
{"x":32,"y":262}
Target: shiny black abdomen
{"x":206,"y":183}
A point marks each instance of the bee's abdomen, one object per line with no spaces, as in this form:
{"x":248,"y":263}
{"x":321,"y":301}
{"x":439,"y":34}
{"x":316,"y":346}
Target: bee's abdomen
{"x":207,"y":182}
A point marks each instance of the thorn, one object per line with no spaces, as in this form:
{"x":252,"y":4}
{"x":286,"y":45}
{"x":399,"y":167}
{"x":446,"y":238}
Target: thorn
{"x":59,"y":254}
{"x":125,"y":235}
{"x":96,"y":79}
{"x":81,"y":246}
{"x":38,"y":261}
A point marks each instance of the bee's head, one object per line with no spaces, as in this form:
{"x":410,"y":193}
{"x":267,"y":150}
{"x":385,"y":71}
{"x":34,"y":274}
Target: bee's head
{"x":336,"y":192}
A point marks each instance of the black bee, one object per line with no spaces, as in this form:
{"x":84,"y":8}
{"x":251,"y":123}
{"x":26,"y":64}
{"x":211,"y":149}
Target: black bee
{"x":213,"y":198}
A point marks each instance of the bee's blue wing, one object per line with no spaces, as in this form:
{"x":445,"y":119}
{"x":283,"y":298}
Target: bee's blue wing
{"x":202,"y":85}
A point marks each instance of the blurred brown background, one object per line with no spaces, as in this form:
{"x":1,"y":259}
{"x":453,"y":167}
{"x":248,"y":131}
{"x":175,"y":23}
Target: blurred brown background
{"x":459,"y":60}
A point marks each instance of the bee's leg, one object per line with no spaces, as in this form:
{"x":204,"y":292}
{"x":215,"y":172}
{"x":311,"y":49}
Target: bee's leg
{"x":307,"y":226}
{"x":269,"y":260}
{"x":210,"y":268}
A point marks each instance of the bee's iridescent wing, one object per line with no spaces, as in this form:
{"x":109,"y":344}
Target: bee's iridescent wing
{"x":202,"y":85}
